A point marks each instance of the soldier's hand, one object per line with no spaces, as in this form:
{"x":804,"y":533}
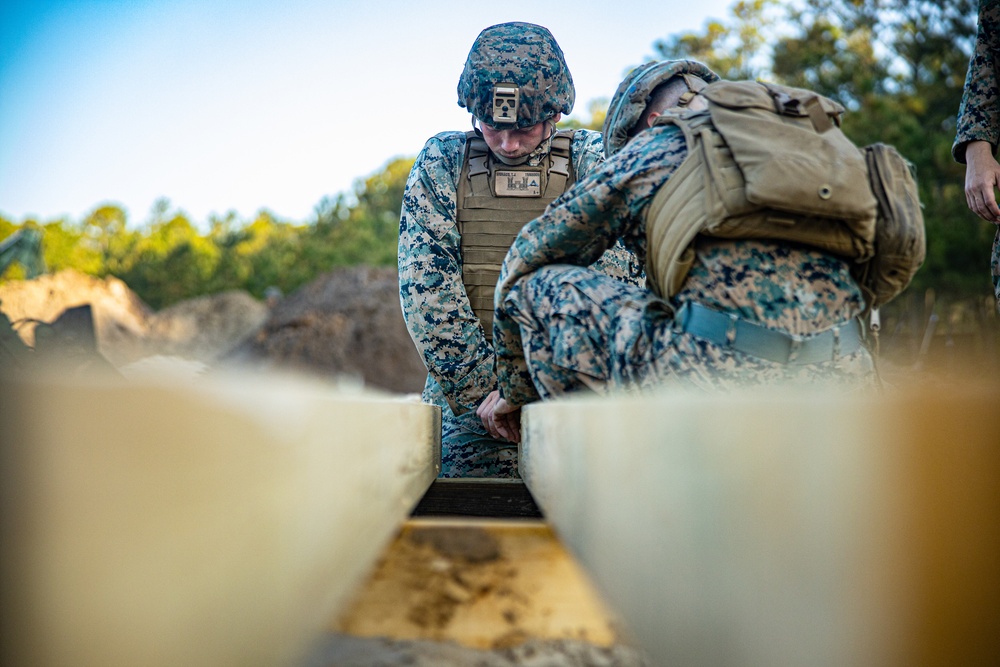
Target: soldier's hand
{"x":507,"y":420}
{"x":504,"y":424}
{"x":982,"y":176}
{"x":485,"y":412}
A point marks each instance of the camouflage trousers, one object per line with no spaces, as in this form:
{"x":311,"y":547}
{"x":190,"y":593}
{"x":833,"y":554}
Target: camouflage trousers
{"x":995,"y":268}
{"x":583,"y":331}
{"x":467,"y":448}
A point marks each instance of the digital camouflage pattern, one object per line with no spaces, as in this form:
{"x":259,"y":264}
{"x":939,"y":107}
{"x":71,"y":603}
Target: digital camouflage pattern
{"x":633,"y":93}
{"x":526,"y":55}
{"x":436,"y":307}
{"x":979,"y":113}
{"x":468,"y":451}
{"x":583,"y":330}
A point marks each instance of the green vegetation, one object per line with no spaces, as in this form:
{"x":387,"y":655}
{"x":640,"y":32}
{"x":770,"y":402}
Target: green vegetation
{"x":167,"y":259}
{"x":897,"y":65}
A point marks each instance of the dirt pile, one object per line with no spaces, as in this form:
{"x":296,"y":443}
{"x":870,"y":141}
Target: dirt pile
{"x":121,"y":319}
{"x":345,"y":323}
{"x":127,"y":330}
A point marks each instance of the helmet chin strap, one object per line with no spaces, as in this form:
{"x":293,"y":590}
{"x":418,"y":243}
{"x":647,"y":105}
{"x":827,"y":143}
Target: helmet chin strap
{"x":513,"y":161}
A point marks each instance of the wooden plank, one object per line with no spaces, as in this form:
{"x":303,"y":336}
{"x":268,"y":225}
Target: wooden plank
{"x":780,"y":528}
{"x":474,"y":497}
{"x":215,"y":521}
{"x":485,"y":584}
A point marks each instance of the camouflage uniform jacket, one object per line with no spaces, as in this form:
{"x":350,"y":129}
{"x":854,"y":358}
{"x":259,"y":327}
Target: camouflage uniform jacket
{"x":979,"y":114}
{"x":438,"y":315}
{"x":790,"y":288}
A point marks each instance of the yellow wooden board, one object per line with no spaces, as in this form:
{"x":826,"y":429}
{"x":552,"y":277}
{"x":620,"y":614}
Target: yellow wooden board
{"x":216,"y":521}
{"x":480,"y":583}
{"x":785,"y":526}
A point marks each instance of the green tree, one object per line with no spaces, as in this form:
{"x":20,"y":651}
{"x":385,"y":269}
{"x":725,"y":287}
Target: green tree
{"x":597,"y":110}
{"x":365,"y":231}
{"x":169,"y":263}
{"x":735,"y":49}
{"x":899,"y":66}
{"x":105,"y":229}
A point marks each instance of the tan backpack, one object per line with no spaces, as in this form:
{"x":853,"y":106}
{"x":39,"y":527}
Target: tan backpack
{"x":769,"y":161}
{"x":900,"y":238}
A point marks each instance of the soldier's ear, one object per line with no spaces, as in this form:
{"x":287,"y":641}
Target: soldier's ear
{"x":653,"y":115}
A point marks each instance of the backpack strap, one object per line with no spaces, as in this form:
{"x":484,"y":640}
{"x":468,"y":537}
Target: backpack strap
{"x":478,"y":157}
{"x":559,"y":161}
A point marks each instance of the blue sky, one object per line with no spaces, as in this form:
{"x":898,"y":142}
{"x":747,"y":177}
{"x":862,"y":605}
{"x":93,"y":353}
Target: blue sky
{"x":239,"y":106}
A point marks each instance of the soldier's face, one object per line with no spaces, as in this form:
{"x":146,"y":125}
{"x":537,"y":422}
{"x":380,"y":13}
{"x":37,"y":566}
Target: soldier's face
{"x":515,"y":143}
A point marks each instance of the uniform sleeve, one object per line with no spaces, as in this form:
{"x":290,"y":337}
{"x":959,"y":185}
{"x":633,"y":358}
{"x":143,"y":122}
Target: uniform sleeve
{"x":588,"y":152}
{"x":602,"y":210}
{"x":979,"y":115}
{"x":617,"y":262}
{"x":435,"y":306}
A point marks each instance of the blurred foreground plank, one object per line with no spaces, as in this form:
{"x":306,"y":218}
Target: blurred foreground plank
{"x":784,"y":528}
{"x":215,"y":522}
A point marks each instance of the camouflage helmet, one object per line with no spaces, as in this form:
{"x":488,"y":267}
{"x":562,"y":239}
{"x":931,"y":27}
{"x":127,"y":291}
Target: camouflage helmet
{"x":515,"y":76}
{"x":634,"y":91}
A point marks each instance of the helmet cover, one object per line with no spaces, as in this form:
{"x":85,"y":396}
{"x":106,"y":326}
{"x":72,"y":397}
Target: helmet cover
{"x":634,"y":91}
{"x":515,"y":76}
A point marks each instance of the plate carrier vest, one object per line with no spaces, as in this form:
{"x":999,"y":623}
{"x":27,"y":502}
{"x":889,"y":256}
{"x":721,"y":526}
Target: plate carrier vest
{"x":488,"y":223}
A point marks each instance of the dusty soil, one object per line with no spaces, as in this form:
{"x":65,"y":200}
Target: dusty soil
{"x":345,"y":323}
{"x":461,"y":594}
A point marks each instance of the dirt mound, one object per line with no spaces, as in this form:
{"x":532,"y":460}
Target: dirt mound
{"x":126,"y":329}
{"x":207,"y":327}
{"x":121,"y":319}
{"x":346,"y":322}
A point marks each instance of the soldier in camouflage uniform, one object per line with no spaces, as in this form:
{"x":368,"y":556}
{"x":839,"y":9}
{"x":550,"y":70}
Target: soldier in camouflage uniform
{"x":467,"y":196}
{"x":560,"y":327}
{"x":979,"y":128}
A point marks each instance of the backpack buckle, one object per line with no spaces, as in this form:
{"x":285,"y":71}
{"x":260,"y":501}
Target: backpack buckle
{"x":794,"y":347}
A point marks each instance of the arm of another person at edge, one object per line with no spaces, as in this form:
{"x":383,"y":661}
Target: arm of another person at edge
{"x":982,"y":178}
{"x":978,"y":129}
{"x":606,"y":206}
{"x":617,"y":261}
{"x":435,"y":305}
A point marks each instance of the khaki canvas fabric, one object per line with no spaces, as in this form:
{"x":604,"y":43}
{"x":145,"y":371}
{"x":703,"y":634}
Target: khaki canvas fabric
{"x":768,"y":161}
{"x":900,"y":238}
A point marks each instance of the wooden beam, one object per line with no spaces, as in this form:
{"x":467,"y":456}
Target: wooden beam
{"x":219,"y":520}
{"x":784,"y":527}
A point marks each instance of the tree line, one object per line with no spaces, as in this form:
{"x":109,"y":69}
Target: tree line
{"x":898,"y":66}
{"x":167,"y":259}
